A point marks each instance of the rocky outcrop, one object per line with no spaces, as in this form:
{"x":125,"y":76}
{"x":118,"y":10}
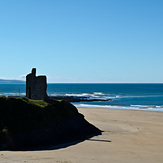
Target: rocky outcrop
{"x":78,"y":99}
{"x":35,"y":123}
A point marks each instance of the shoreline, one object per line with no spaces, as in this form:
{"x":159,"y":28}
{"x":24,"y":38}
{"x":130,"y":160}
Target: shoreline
{"x":128,"y":136}
{"x":115,"y":107}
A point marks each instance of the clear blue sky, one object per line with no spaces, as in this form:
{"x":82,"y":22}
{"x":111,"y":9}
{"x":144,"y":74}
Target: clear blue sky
{"x":77,"y":41}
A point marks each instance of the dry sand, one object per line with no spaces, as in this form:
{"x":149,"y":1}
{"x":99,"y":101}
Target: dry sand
{"x":129,"y":136}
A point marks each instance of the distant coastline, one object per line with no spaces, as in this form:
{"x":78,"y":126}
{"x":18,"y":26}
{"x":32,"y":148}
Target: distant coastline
{"x":3,"y":81}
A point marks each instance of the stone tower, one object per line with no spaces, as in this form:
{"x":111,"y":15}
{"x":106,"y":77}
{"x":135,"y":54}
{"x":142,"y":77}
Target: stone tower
{"x":36,"y":86}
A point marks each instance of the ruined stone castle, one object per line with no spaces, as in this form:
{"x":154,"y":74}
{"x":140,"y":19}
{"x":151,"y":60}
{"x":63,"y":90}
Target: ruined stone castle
{"x":36,"y":86}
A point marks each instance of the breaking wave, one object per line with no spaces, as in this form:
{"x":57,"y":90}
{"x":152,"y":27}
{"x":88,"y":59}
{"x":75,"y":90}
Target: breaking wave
{"x":13,"y":94}
{"x":131,"y":107}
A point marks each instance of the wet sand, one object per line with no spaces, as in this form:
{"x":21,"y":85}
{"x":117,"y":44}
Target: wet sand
{"x":128,"y":136}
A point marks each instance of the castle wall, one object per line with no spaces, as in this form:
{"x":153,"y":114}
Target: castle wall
{"x":36,"y":86}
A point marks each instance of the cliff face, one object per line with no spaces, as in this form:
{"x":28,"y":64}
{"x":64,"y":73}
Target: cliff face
{"x":34,"y":123}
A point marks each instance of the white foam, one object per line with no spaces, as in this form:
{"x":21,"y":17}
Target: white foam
{"x":13,"y":94}
{"x":140,"y":107}
{"x":94,"y":95}
{"x":98,"y":93}
{"x":53,"y":94}
{"x":82,"y":94}
{"x":159,"y":106}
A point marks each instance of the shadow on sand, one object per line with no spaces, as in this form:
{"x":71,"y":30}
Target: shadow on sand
{"x":48,"y":147}
{"x":107,"y":141}
{"x":59,"y":146}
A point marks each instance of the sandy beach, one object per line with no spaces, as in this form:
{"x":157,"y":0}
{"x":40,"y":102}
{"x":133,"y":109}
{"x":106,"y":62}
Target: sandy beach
{"x":128,"y":136}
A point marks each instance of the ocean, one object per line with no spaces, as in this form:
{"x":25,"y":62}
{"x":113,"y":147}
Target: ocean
{"x":124,"y":96}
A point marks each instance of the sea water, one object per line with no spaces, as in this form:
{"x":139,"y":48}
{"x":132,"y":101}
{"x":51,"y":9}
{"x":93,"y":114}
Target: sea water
{"x":124,"y":96}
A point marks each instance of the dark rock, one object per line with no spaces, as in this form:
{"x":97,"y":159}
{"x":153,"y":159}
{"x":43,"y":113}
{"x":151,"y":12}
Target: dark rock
{"x":34,"y":123}
{"x":77,"y":99}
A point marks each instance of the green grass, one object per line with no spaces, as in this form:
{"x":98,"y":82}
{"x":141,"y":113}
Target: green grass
{"x":39,"y":103}
{"x":20,"y":114}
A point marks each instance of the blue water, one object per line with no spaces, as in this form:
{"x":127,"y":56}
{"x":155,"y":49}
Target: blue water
{"x":125,"y":96}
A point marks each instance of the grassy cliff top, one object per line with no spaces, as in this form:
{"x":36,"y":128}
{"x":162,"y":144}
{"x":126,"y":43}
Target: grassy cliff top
{"x":19,"y":114}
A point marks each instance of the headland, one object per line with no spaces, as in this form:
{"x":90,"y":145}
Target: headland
{"x":27,"y":123}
